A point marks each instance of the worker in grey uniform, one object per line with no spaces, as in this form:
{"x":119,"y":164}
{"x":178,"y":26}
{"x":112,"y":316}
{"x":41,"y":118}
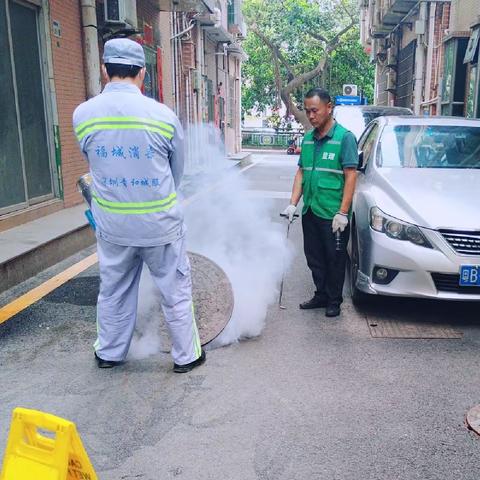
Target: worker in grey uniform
{"x":134,"y":147}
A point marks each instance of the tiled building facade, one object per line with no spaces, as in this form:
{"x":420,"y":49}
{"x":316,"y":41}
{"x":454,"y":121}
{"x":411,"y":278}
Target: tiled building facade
{"x":426,"y":54}
{"x":50,"y":54}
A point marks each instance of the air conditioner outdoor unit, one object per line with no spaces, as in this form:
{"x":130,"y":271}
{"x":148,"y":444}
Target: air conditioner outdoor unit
{"x":391,"y":58}
{"x":350,"y":90}
{"x":121,"y":12}
{"x":391,"y":81}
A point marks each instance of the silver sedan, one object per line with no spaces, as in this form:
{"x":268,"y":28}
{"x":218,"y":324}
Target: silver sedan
{"x":416,"y":210}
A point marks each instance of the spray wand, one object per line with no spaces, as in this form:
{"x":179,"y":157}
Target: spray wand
{"x":296,"y":215}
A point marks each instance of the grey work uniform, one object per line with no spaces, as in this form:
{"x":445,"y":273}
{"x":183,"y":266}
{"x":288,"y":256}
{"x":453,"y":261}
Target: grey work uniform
{"x":134,"y":146}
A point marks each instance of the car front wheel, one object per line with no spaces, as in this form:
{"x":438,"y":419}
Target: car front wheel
{"x":358,"y":297}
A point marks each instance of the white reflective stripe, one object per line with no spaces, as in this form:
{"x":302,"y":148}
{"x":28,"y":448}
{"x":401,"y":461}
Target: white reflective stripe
{"x":319,"y":169}
{"x":339,"y":172}
{"x":196,"y":337}
{"x":308,"y":142}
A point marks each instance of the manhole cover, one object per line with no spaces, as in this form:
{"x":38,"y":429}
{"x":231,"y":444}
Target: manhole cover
{"x":473,"y":419}
{"x":212,"y":297}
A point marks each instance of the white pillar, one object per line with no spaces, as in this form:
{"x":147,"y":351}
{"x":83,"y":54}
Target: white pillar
{"x":419,"y":59}
{"x":90,"y":47}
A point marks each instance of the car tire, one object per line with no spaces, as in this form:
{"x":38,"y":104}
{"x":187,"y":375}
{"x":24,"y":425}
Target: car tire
{"x":358,"y":297}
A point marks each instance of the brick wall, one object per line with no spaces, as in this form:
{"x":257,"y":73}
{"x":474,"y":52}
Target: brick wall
{"x":70,"y":91}
{"x":442,"y":20}
{"x":164,"y":26}
{"x":148,"y":13}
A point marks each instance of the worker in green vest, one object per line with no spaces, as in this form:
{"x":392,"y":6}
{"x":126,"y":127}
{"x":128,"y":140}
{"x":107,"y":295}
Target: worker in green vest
{"x":326,"y":176}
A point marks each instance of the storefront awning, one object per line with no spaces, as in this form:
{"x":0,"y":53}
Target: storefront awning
{"x":218,"y":34}
{"x":201,"y":6}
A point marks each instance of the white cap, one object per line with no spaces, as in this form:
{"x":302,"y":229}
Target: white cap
{"x":123,"y":51}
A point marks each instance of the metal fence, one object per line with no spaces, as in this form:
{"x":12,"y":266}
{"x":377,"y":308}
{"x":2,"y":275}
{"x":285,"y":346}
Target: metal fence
{"x":252,"y":138}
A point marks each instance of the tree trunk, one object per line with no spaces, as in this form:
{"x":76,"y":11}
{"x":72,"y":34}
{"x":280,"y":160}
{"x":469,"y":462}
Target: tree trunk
{"x":300,"y":115}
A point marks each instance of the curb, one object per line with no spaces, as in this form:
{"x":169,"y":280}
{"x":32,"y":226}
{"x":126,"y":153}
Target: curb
{"x":26,"y":265}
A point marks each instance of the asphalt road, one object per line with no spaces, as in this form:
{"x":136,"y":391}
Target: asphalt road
{"x":310,"y":398}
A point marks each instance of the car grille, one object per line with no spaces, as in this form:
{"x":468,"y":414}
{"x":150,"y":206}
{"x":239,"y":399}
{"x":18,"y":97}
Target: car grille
{"x":467,"y":243}
{"x":447,"y":282}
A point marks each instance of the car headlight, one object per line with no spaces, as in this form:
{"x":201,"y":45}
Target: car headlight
{"x":394,"y":228}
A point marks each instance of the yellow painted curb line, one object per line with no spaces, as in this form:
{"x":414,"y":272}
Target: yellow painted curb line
{"x":45,"y":288}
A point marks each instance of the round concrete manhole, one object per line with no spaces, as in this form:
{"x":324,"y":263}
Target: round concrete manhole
{"x":212,"y":298}
{"x":473,"y":419}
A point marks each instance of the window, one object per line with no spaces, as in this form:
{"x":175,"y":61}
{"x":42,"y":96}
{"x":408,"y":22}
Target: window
{"x":210,"y":101}
{"x":471,"y":92}
{"x":454,"y":77}
{"x":231,"y":101}
{"x":367,"y":143}
{"x":472,"y":105}
{"x":25,"y":161}
{"x":405,"y":75}
{"x":151,"y":73}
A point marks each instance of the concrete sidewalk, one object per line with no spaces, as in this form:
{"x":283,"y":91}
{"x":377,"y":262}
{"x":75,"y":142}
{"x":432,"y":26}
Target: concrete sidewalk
{"x":29,"y":248}
{"x":34,"y":246}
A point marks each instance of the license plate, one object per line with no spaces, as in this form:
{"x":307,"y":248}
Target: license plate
{"x":470,"y":275}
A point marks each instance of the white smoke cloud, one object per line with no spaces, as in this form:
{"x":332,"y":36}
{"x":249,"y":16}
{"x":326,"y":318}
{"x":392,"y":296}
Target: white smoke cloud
{"x":235,"y":230}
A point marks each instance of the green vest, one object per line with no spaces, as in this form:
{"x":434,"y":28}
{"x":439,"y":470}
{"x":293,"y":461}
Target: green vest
{"x":323,"y":177}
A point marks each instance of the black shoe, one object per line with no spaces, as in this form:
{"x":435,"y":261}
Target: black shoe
{"x":315,"y":302}
{"x":106,"y":363}
{"x":332,"y":311}
{"x":190,"y":366}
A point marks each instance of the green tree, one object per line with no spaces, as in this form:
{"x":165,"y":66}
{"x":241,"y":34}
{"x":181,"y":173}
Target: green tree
{"x":349,"y":64}
{"x":295,"y":44}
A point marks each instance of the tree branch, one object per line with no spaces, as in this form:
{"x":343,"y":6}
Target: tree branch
{"x":275,"y":50}
{"x":318,"y":37}
{"x":297,"y":82}
{"x":332,"y":44}
{"x":278,"y":79}
{"x":348,"y":12}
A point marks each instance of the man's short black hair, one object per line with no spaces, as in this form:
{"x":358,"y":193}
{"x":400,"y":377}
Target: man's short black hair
{"x":321,"y":93}
{"x":122,"y":71}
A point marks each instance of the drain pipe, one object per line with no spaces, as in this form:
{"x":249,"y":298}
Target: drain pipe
{"x":90,"y":47}
{"x":199,"y":71}
{"x":420,"y":58}
{"x":430,"y":45}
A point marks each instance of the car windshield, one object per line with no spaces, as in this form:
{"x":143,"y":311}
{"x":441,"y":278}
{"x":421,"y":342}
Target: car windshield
{"x":430,"y":146}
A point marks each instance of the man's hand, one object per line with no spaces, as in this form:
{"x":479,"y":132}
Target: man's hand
{"x":290,"y":212}
{"x":340,"y":222}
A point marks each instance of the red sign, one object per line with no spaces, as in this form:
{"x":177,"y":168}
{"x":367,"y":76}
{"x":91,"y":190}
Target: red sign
{"x":147,"y":34}
{"x":160,"y":74}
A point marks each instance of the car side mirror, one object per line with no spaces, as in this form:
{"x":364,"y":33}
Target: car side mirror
{"x":360,"y":166}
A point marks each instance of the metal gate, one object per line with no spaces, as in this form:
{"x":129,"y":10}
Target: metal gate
{"x":405,"y":76}
{"x":26,"y":166}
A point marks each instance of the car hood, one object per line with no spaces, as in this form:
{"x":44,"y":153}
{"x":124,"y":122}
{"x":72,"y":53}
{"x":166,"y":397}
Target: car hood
{"x":431,"y":198}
